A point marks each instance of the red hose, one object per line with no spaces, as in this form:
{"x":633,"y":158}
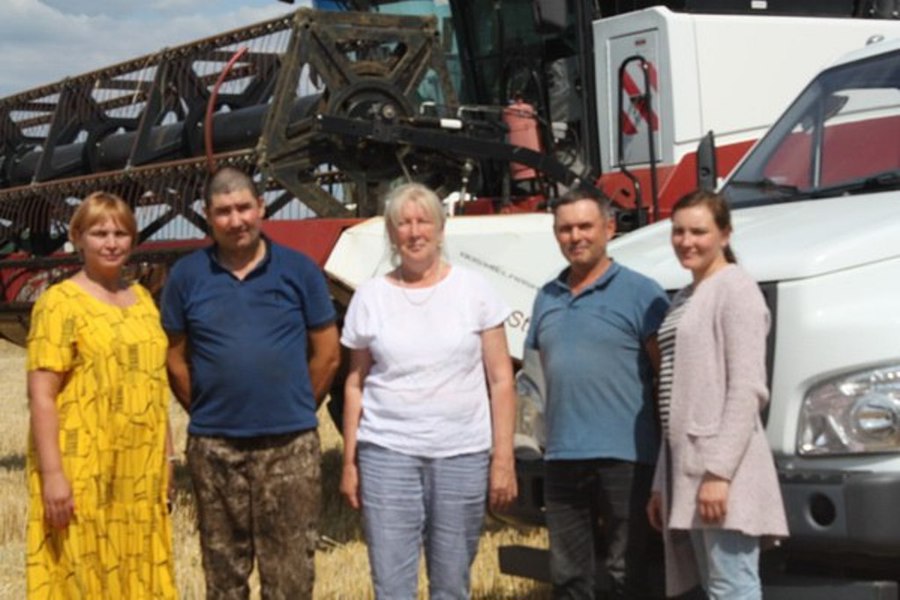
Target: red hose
{"x":211,"y":106}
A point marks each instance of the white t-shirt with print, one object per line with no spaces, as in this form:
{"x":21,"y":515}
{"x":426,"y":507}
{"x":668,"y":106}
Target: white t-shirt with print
{"x":425,"y":393}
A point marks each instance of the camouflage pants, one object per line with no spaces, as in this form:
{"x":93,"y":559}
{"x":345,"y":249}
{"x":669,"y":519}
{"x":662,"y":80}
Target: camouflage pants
{"x":257,"y":498}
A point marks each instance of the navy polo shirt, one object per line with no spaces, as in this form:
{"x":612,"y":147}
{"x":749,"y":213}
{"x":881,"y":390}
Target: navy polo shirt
{"x":247,"y":340}
{"x":598,"y":375}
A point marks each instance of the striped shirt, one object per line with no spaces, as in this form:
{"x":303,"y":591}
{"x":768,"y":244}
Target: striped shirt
{"x":666,"y":338}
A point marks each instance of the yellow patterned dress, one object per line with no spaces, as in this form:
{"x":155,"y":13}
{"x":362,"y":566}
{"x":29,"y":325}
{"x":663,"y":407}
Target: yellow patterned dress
{"x":112,"y":419}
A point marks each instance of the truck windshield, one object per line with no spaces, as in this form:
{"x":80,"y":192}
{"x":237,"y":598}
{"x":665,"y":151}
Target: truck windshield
{"x":841,"y":136}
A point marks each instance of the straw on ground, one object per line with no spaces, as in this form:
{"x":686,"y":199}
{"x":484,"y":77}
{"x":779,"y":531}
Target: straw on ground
{"x":342,"y":569}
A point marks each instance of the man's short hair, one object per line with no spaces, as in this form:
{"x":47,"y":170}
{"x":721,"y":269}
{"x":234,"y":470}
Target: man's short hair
{"x":225,"y":181}
{"x":580,"y":193}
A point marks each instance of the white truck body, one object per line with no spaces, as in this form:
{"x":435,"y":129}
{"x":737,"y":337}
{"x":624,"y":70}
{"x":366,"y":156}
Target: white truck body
{"x":837,"y":270}
{"x":816,"y":215}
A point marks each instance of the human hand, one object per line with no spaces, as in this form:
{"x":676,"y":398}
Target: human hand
{"x":59,"y":503}
{"x":712,"y":498}
{"x":503,"y":485}
{"x":350,"y":485}
{"x":654,"y":511}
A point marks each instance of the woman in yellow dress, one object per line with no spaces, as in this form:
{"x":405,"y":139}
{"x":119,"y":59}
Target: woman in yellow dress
{"x":98,"y":474}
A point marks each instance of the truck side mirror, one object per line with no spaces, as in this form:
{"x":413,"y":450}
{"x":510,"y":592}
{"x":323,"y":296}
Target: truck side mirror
{"x":707,"y":173}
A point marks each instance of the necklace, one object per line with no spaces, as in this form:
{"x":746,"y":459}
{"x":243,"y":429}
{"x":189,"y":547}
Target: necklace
{"x":415,"y":299}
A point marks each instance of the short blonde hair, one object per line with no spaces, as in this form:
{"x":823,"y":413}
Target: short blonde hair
{"x":99,"y":206}
{"x":417,"y":194}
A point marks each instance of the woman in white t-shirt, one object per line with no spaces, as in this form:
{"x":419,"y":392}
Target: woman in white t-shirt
{"x":429,"y":407}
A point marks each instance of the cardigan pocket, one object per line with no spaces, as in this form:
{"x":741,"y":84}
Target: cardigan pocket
{"x":695,"y":429}
{"x":704,"y":417}
{"x":694,"y":461}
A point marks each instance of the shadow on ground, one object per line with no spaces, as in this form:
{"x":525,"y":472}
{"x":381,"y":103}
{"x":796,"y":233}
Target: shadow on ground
{"x":339,"y":522}
{"x":13,"y":462}
{"x":541,"y":592}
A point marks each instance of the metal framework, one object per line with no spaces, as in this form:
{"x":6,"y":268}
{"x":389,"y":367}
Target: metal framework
{"x":324,"y":109}
{"x":137,"y":128}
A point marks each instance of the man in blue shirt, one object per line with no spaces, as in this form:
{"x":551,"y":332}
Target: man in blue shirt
{"x":595,"y":329}
{"x":253,"y":348}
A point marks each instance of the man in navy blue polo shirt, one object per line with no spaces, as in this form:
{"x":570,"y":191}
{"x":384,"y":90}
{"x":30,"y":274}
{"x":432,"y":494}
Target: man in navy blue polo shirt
{"x":253,"y":348}
{"x":595,"y":329}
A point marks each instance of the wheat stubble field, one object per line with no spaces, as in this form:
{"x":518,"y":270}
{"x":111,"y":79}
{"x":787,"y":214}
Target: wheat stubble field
{"x":342,"y":570}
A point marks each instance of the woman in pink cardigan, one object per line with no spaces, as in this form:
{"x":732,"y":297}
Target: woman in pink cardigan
{"x":715,"y":493}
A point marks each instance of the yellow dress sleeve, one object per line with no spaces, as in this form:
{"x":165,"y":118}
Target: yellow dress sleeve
{"x":51,"y":338}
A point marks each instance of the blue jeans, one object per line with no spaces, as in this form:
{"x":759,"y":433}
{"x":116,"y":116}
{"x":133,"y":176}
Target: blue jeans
{"x":408,"y":501}
{"x":728,"y":562}
{"x":601,"y":545}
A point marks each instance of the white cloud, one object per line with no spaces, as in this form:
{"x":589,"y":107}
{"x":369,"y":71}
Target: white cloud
{"x":181,"y":4}
{"x":45,"y":41}
{"x":93,"y":7}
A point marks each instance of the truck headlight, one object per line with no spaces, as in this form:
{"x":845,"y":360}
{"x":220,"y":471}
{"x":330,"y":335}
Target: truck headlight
{"x":856,"y":413}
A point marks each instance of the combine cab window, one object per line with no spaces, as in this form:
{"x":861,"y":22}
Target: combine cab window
{"x":429,"y":90}
{"x":494,"y":48}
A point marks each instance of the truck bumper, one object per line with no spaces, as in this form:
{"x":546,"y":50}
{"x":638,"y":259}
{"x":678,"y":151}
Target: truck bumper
{"x":534,"y":563}
{"x":843,"y":512}
{"x":821,"y":588}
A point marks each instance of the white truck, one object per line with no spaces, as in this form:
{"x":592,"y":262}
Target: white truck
{"x":816,"y":210}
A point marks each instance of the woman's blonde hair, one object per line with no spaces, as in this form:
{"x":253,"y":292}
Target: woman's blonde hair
{"x":411,"y":193}
{"x":417,"y":194}
{"x":99,"y":206}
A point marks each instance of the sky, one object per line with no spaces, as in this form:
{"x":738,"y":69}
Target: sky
{"x":43,"y":41}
